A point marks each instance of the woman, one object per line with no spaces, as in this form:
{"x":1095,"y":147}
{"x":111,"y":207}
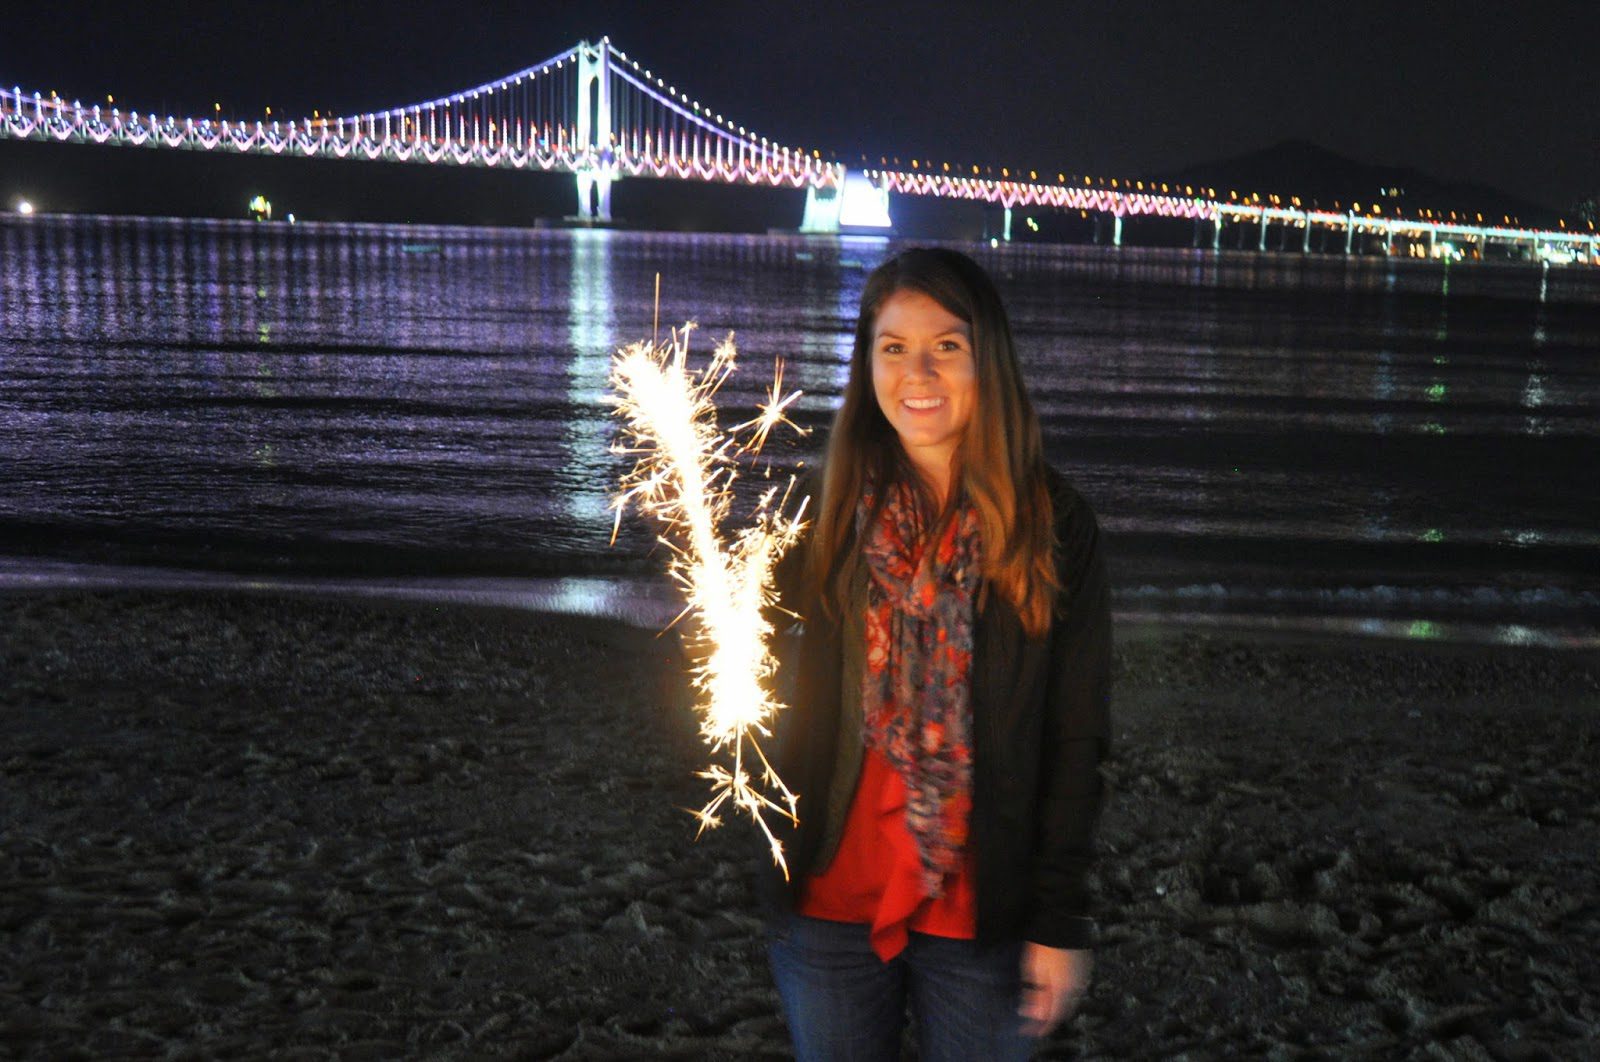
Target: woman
{"x":948,"y":694}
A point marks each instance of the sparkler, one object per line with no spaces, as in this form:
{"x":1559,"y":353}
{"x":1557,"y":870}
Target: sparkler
{"x":683,"y":475}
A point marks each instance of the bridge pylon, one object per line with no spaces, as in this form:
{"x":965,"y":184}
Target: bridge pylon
{"x":594,"y":131}
{"x":856,"y":204}
{"x":822,"y":211}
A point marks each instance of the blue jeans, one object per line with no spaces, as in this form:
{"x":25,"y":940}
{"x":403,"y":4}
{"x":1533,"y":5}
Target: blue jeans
{"x":843,"y":1004}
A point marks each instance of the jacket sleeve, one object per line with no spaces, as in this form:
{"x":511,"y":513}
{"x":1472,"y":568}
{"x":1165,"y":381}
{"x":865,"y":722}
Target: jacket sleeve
{"x":1076,"y":733}
{"x":785,"y":616}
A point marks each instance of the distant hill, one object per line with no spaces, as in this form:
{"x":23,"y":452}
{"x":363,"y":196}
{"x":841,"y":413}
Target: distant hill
{"x":1321,"y":177}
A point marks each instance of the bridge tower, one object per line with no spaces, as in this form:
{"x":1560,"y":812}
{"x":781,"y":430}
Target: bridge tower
{"x":822,"y":210}
{"x":858,"y":204}
{"x":594,"y":130}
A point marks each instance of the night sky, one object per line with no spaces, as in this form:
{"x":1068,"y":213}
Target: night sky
{"x":1504,"y":94}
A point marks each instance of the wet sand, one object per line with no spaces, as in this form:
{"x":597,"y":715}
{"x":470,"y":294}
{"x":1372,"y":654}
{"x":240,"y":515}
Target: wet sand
{"x":236,"y":825}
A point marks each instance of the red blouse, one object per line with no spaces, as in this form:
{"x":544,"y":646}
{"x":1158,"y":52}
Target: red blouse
{"x":876,"y":876}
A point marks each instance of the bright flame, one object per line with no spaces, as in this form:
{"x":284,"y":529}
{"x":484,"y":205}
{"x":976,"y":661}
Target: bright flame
{"x":683,"y":475}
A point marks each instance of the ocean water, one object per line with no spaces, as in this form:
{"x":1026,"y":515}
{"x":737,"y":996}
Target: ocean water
{"x":1294,"y":442}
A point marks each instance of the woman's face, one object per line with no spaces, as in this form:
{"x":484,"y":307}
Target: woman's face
{"x":925,"y":378}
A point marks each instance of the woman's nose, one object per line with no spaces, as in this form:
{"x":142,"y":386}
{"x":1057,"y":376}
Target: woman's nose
{"x":920,"y":364}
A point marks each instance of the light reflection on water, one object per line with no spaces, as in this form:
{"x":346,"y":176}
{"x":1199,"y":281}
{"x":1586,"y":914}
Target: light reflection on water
{"x":587,"y":356}
{"x":386,"y":402}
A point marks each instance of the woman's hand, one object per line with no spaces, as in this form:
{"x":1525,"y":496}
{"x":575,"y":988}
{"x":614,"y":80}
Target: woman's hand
{"x":1054,"y":981}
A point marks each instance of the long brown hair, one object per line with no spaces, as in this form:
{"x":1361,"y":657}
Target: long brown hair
{"x":999,"y":462}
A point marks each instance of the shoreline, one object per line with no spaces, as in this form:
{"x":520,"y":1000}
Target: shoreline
{"x":243,"y":824}
{"x":650,"y":602}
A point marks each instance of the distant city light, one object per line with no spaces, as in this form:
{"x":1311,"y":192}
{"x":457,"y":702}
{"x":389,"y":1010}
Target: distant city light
{"x":24,"y":207}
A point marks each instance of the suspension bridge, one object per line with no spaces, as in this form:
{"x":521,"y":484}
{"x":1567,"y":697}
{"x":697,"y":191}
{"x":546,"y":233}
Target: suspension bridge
{"x":598,"y":115}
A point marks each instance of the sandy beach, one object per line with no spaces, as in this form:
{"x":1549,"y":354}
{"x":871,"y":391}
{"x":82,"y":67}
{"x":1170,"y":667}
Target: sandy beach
{"x":238,"y":826}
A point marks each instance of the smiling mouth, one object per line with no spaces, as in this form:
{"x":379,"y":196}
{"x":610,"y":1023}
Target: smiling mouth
{"x":922,"y":403}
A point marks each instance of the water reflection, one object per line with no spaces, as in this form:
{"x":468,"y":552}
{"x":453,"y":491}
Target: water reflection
{"x":388,"y":399}
{"x":591,"y":339}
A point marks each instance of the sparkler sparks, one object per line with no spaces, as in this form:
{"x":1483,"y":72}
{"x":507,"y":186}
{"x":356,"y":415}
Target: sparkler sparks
{"x":683,"y":476}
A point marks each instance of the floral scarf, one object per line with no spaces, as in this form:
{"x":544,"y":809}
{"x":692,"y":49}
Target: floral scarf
{"x":916,"y":693}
